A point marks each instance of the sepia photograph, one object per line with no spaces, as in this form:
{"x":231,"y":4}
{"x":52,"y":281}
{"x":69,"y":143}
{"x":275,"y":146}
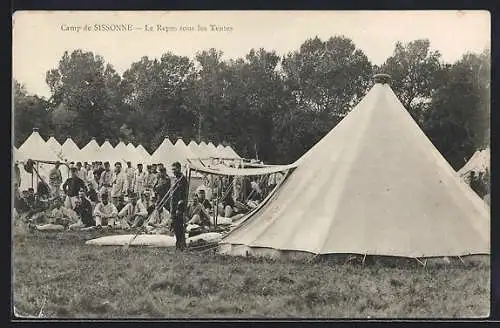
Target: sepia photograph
{"x":250,"y":165}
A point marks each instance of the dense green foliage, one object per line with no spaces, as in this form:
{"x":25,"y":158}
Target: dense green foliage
{"x":265,"y":106}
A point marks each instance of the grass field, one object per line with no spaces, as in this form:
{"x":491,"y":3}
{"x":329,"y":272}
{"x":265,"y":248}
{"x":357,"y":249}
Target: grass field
{"x":57,"y":273}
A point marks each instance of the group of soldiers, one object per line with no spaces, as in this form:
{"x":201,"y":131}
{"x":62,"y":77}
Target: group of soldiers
{"x":96,"y":196}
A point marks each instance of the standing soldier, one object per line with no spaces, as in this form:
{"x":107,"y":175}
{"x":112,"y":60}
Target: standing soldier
{"x":55,"y":180}
{"x":139,"y":182}
{"x":130,"y":172}
{"x":178,"y":202}
{"x":105,"y":180}
{"x":17,"y":181}
{"x":118,"y":186}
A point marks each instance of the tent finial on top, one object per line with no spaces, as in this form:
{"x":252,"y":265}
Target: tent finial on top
{"x":382,"y":78}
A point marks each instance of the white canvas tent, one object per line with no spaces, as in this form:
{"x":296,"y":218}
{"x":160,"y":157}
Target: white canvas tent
{"x":212,"y":149}
{"x":479,"y":162}
{"x":374,"y":185}
{"x":145,"y":157}
{"x":70,"y":151}
{"x":19,"y":158}
{"x":107,"y":154}
{"x":165,"y":153}
{"x":183,"y":151}
{"x":54,"y":145}
{"x":220,"y":151}
{"x":194,"y":148}
{"x":132,"y":155}
{"x":121,"y":153}
{"x":230,"y":151}
{"x":35,"y":148}
{"x":91,"y":151}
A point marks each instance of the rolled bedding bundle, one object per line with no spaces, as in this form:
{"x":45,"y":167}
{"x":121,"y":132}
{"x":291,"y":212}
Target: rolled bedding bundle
{"x":50,"y":227}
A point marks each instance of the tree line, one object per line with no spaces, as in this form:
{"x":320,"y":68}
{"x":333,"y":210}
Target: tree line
{"x":265,"y":106}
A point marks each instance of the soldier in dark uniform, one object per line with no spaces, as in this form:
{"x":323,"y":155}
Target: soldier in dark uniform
{"x":178,"y":203}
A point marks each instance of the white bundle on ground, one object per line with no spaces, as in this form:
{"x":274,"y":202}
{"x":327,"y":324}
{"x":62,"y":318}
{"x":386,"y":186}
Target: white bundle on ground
{"x":209,"y":237}
{"x":140,"y":240}
{"x":151,"y":240}
{"x":50,"y":227}
{"x":221,"y":220}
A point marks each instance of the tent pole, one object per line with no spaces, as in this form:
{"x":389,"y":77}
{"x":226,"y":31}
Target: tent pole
{"x":37,"y":175}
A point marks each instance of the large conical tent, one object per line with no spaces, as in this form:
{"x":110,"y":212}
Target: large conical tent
{"x":374,"y":185}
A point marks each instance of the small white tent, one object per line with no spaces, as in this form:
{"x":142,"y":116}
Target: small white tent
{"x":54,"y":145}
{"x":145,"y":157}
{"x":35,"y":148}
{"x":479,"y":162}
{"x":212,"y":150}
{"x":165,"y":153}
{"x":194,"y":148}
{"x":107,"y":154}
{"x":91,"y":151}
{"x":70,"y":151}
{"x":121,"y":153}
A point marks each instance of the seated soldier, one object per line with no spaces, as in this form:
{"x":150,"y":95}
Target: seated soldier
{"x":84,"y":210}
{"x":133,"y":214}
{"x":56,"y":214}
{"x":198,"y":213}
{"x":21,"y":203}
{"x":92,"y":194}
{"x":43,"y":191}
{"x":159,"y":221}
{"x":105,"y":213}
{"x":202,"y":199}
{"x":226,"y":206}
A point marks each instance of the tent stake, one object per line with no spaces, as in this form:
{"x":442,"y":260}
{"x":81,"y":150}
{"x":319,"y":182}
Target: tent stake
{"x":312,"y":258}
{"x":363,"y":262}
{"x":420,"y":261}
{"x":461,"y":259}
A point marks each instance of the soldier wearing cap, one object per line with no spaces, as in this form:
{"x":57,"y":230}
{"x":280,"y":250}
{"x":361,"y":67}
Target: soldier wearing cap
{"x":55,"y":180}
{"x":178,"y":204}
{"x":71,"y":188}
{"x":134,"y":213}
{"x":105,"y":213}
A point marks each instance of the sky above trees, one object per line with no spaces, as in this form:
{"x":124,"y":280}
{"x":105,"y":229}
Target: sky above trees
{"x":39,"y":42}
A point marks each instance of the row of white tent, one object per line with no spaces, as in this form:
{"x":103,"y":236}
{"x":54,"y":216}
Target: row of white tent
{"x":36,"y":148}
